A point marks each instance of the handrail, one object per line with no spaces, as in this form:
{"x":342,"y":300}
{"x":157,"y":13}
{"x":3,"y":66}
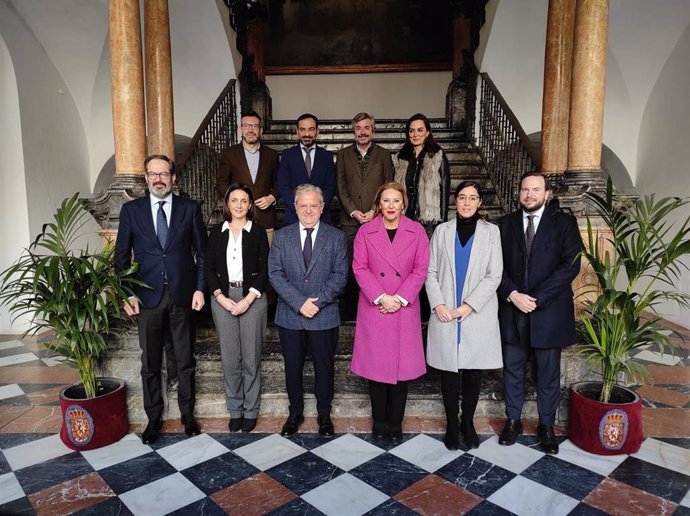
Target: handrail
{"x":501,"y":141}
{"x":198,"y":165}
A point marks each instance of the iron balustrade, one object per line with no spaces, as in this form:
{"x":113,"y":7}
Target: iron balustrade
{"x":197,"y":168}
{"x":505,"y":150}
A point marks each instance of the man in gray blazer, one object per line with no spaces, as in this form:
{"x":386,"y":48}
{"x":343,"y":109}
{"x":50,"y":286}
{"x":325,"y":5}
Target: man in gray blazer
{"x":361,"y":168}
{"x":307,"y":266}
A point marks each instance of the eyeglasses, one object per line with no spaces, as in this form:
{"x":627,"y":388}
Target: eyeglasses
{"x":162,"y":175}
{"x":470,"y":198}
{"x":250,"y":126}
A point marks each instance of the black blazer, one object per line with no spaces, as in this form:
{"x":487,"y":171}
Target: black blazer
{"x":554,"y":263}
{"x":254,"y":259}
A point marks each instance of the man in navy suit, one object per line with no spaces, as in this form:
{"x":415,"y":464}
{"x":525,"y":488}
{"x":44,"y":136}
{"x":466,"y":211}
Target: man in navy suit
{"x":307,"y":266}
{"x":165,"y":234}
{"x":306,"y":163}
{"x":541,"y":246}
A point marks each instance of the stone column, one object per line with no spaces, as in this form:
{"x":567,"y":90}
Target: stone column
{"x":588,"y":86}
{"x":557,"y":73}
{"x":159,"y":90}
{"x":127,"y":83}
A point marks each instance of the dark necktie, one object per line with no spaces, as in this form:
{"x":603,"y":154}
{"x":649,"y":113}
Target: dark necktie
{"x":306,"y":250}
{"x":529,"y":233}
{"x":161,"y":224}
{"x":307,"y":162}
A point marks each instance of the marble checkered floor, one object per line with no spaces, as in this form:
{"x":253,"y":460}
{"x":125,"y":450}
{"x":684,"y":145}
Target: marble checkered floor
{"x":263,"y":473}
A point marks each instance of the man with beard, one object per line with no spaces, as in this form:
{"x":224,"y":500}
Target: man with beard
{"x":306,"y":163}
{"x":361,"y":168}
{"x":165,"y":234}
{"x":254,"y":165}
{"x":536,"y":314}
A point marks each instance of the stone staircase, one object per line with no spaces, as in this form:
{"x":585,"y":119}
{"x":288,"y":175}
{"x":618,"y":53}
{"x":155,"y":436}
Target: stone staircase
{"x":351,"y":394}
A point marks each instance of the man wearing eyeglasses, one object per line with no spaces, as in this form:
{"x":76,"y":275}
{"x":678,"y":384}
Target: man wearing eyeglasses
{"x":165,"y":234}
{"x":254,"y":165}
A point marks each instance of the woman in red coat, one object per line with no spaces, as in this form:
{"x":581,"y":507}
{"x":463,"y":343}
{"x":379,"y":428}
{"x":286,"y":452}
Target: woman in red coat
{"x":391,"y":258}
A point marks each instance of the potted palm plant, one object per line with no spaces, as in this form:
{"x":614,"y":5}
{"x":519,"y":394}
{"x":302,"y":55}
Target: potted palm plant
{"x":636,"y":254}
{"x":76,"y":294}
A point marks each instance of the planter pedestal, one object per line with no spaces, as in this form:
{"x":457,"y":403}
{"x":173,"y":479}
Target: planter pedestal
{"x":94,"y":422}
{"x":605,"y":428}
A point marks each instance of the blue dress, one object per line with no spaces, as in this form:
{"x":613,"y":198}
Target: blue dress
{"x":462,"y":261}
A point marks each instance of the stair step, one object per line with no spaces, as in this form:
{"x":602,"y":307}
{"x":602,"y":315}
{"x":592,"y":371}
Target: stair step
{"x":351,"y":394}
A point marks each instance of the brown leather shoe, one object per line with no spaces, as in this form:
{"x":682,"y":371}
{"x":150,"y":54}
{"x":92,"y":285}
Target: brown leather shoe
{"x":510,"y":432}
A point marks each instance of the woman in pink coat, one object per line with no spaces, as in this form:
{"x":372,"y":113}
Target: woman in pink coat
{"x":391,"y":258}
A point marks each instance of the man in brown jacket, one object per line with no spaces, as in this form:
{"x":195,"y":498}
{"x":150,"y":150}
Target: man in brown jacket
{"x":254,"y":165}
{"x":361,"y":168}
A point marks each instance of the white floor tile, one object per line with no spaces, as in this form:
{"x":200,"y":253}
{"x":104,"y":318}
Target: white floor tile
{"x":602,"y":464}
{"x":346,"y":496}
{"x":17,"y":359}
{"x":515,"y":458}
{"x":347,"y":452}
{"x":269,"y":451}
{"x":11,"y":344}
{"x":9,"y":488}
{"x":426,"y":452}
{"x":665,"y":455}
{"x":35,"y":452}
{"x":54,"y":361}
{"x":10,"y":391}
{"x":193,"y":451}
{"x":162,"y":496}
{"x":685,"y":502}
{"x":523,"y":496}
{"x":654,"y":356}
{"x":129,"y":447}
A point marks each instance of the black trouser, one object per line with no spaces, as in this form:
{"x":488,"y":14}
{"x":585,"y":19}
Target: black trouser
{"x":387,"y":405}
{"x":154,"y":325}
{"x":469,"y":381}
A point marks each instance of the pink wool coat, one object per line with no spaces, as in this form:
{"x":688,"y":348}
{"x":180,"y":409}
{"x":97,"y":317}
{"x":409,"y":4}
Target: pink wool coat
{"x":388,"y":347}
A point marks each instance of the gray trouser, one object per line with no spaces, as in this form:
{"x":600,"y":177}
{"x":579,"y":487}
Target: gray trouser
{"x":241,"y":340}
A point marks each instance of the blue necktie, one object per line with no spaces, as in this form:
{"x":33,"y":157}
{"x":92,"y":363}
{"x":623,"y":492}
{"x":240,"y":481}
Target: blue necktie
{"x":306,"y":250}
{"x":161,"y":224}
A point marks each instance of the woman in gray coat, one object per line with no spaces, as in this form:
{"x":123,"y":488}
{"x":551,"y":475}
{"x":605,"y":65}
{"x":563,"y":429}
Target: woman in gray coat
{"x":465,"y":269}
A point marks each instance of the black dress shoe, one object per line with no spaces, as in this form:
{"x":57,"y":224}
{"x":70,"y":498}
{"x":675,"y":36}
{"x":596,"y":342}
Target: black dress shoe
{"x":191,"y":426}
{"x":325,"y":426}
{"x":469,"y":434}
{"x":547,"y":439}
{"x":151,"y":432}
{"x":235,"y":424}
{"x":248,"y":424}
{"x":510,"y":432}
{"x":396,"y":437}
{"x":292,"y":425}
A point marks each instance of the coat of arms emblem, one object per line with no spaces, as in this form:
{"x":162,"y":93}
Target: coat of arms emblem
{"x":79,"y":425}
{"x":613,"y":429}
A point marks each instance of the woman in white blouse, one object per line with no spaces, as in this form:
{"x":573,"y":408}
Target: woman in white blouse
{"x":237,"y":275}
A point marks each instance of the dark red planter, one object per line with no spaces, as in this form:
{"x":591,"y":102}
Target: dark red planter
{"x":605,"y":428}
{"x":89,"y":423}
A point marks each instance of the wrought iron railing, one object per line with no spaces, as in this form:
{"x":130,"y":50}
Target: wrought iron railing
{"x":198,"y":166}
{"x":505,"y":150}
